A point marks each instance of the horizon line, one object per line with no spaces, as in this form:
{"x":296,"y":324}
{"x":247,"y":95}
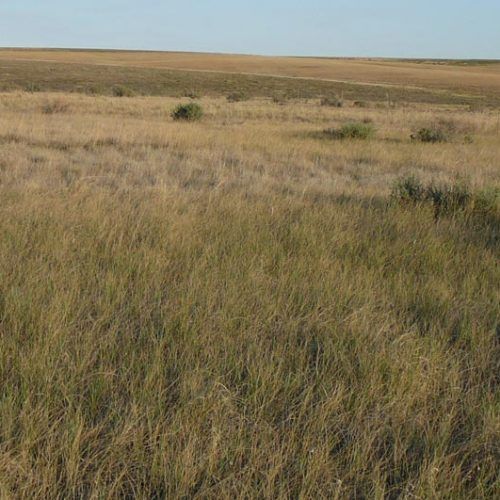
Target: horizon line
{"x":246,"y":54}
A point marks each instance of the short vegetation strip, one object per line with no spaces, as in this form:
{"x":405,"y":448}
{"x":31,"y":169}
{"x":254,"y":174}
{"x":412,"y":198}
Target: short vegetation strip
{"x":39,"y":76}
{"x":447,"y":198}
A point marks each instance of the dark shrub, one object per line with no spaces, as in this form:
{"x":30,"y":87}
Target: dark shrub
{"x":32,"y":87}
{"x":448,"y":199}
{"x":188,"y":112}
{"x":431,"y":135}
{"x":487,"y":201}
{"x":352,"y":131}
{"x":409,"y":190}
{"x":121,"y":91}
{"x":445,"y":199}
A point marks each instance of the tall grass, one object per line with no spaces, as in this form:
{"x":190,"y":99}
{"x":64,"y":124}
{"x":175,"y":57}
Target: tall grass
{"x":211,"y":311}
{"x":165,"y":347}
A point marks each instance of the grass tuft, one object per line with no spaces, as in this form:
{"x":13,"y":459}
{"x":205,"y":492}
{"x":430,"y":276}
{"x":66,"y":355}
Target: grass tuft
{"x":352,"y":131}
{"x":122,"y":91}
{"x":447,"y":199}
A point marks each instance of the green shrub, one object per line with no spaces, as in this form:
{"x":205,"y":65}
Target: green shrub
{"x":445,"y":199}
{"x":487,"y":201}
{"x":237,"y":97}
{"x":121,"y":91}
{"x":333,"y":102}
{"x":409,"y":190}
{"x":352,"y":131}
{"x":431,"y":135}
{"x":448,"y":199}
{"x":32,"y":87}
{"x":188,"y":112}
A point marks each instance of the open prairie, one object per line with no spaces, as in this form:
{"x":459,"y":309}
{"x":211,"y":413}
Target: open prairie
{"x":295,"y":296}
{"x":476,"y":82}
{"x":475,"y":78}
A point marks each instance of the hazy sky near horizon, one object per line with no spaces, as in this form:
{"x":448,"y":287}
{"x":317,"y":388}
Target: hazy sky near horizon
{"x":395,"y":28}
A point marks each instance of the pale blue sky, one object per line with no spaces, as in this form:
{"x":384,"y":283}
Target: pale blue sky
{"x":398,"y":28}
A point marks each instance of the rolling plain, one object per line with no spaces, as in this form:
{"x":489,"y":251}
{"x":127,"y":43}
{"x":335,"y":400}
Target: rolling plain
{"x":250,"y":305}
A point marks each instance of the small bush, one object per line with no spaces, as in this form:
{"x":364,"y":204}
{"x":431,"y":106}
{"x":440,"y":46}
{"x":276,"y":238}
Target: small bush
{"x":445,"y":199}
{"x":237,"y":97}
{"x":121,"y":91}
{"x":409,"y":190}
{"x":188,"y":112}
{"x":333,"y":102}
{"x":448,"y":199}
{"x":431,"y":135}
{"x":487,"y":201}
{"x":32,"y":87}
{"x":352,"y":131}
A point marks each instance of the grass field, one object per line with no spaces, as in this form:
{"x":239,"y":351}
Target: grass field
{"x":472,"y":83}
{"x":240,"y":307}
{"x":475,"y":78}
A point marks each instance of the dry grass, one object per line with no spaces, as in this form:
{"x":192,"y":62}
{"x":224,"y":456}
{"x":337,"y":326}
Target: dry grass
{"x":235,"y":309}
{"x":257,"y":146}
{"x":473,"y":83}
{"x":475,"y":78}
